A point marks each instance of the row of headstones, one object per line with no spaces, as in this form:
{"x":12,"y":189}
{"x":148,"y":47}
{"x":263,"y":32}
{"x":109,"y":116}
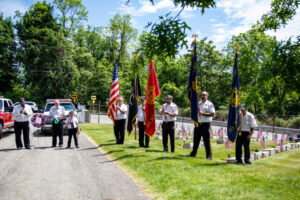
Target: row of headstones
{"x":268,"y":152}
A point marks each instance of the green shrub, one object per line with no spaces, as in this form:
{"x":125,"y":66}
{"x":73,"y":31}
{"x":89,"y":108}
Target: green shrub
{"x":280,"y":122}
{"x":294,"y":122}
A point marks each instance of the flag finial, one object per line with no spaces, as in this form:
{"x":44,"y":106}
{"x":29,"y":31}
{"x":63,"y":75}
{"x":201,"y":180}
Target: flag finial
{"x":236,"y":47}
{"x":195,"y":37}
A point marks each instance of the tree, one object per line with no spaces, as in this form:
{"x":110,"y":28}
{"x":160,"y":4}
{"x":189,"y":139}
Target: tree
{"x":45,"y":54}
{"x":281,"y":12}
{"x":8,"y":71}
{"x":72,"y":12}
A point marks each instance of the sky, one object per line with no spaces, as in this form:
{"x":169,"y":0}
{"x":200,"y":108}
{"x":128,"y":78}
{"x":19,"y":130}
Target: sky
{"x":219,"y":24}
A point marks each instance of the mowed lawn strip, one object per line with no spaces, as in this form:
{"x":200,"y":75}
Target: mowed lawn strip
{"x":175,"y":176}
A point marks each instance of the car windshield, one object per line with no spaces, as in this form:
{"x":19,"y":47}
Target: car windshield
{"x":28,"y":103}
{"x":68,"y":107}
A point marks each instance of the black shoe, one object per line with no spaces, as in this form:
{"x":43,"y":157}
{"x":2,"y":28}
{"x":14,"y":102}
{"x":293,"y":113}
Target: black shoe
{"x":19,"y":148}
{"x":53,"y":146}
{"x":209,"y":158}
{"x":60,"y":145}
{"x":191,"y":155}
{"x":68,"y":147}
{"x":28,"y":148}
{"x":248,"y":162}
{"x":146,"y":146}
{"x":165,"y":151}
{"x":77,"y":146}
{"x":239,"y":162}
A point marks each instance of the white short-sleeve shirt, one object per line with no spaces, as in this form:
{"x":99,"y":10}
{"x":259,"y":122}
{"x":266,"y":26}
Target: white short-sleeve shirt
{"x":57,"y":112}
{"x":172,"y":108}
{"x":20,"y":117}
{"x":141,"y":114}
{"x":73,"y":120}
{"x":119,"y":115}
{"x":248,"y":121}
{"x":206,"y":107}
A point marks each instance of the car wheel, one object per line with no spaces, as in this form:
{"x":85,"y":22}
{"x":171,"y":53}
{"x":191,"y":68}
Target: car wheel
{"x":1,"y":131}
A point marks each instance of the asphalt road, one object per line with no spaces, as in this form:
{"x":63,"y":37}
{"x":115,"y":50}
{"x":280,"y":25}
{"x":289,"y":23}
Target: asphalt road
{"x":45,"y":173}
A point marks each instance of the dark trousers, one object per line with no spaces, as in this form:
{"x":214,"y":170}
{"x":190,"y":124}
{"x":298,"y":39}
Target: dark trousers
{"x":202,"y":131}
{"x":142,"y":135}
{"x":57,"y":131}
{"x":119,"y":130}
{"x":168,"y":130}
{"x":19,"y":127}
{"x":242,"y":140}
{"x":72,"y":132}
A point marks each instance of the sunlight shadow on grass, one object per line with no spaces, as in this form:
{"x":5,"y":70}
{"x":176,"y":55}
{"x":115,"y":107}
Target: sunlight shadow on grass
{"x":113,"y":151}
{"x":121,"y":158}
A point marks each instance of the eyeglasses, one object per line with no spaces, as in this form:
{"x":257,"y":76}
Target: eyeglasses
{"x":203,"y":95}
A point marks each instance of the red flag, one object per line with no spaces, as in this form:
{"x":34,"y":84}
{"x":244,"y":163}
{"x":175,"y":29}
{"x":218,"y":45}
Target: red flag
{"x":153,"y":92}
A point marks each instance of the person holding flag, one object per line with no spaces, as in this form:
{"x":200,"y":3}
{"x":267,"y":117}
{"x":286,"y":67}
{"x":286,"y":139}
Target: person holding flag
{"x":152,"y":93}
{"x":206,"y":113}
{"x":133,"y":102}
{"x":120,"y":120}
{"x":248,"y":123}
{"x":141,"y":124}
{"x":169,"y":111}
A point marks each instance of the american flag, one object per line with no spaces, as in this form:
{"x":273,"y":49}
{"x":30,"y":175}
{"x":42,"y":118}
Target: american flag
{"x":228,"y":144}
{"x":287,"y":138}
{"x":263,"y":142}
{"x":295,"y":137}
{"x":259,"y":134}
{"x":281,"y":145}
{"x":114,"y":93}
{"x":275,"y":138}
{"x":183,"y":132}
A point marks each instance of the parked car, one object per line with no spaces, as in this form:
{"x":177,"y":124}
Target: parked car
{"x":6,"y":119}
{"x":31,"y":104}
{"x":66,"y":103}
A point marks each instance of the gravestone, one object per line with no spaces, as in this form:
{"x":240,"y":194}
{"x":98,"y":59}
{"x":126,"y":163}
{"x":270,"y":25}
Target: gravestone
{"x":265,"y":154}
{"x":231,"y":160}
{"x":277,"y":150}
{"x":271,"y":151}
{"x":188,"y":145}
{"x":158,"y":138}
{"x":257,"y":155}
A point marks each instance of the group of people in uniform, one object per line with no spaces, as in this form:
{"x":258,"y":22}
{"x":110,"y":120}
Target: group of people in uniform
{"x":22,"y":114}
{"x":169,"y":112}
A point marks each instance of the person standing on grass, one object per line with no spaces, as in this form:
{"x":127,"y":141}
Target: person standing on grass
{"x":120,"y":121}
{"x":22,"y":114}
{"x":73,"y":129}
{"x":169,"y":111}
{"x":141,"y":124}
{"x":58,"y":114}
{"x":247,"y":125}
{"x":206,"y":113}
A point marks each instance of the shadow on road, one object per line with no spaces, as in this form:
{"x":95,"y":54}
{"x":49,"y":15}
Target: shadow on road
{"x":131,"y":147}
{"x":47,"y":147}
{"x":7,"y":150}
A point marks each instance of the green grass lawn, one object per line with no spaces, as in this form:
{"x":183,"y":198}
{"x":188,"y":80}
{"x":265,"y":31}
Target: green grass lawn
{"x":174,"y":176}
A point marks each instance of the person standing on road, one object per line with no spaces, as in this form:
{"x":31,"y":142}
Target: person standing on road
{"x":120,"y":121}
{"x":169,"y":111}
{"x":58,"y":114}
{"x":22,"y":114}
{"x":141,"y":124}
{"x":248,"y":123}
{"x":73,"y":129}
{"x":206,"y":113}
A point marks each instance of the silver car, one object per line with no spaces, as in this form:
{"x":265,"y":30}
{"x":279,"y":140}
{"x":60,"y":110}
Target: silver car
{"x":33,"y":105}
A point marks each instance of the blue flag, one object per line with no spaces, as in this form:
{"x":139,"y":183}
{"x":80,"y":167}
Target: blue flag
{"x":234,"y":105}
{"x":192,"y":89}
